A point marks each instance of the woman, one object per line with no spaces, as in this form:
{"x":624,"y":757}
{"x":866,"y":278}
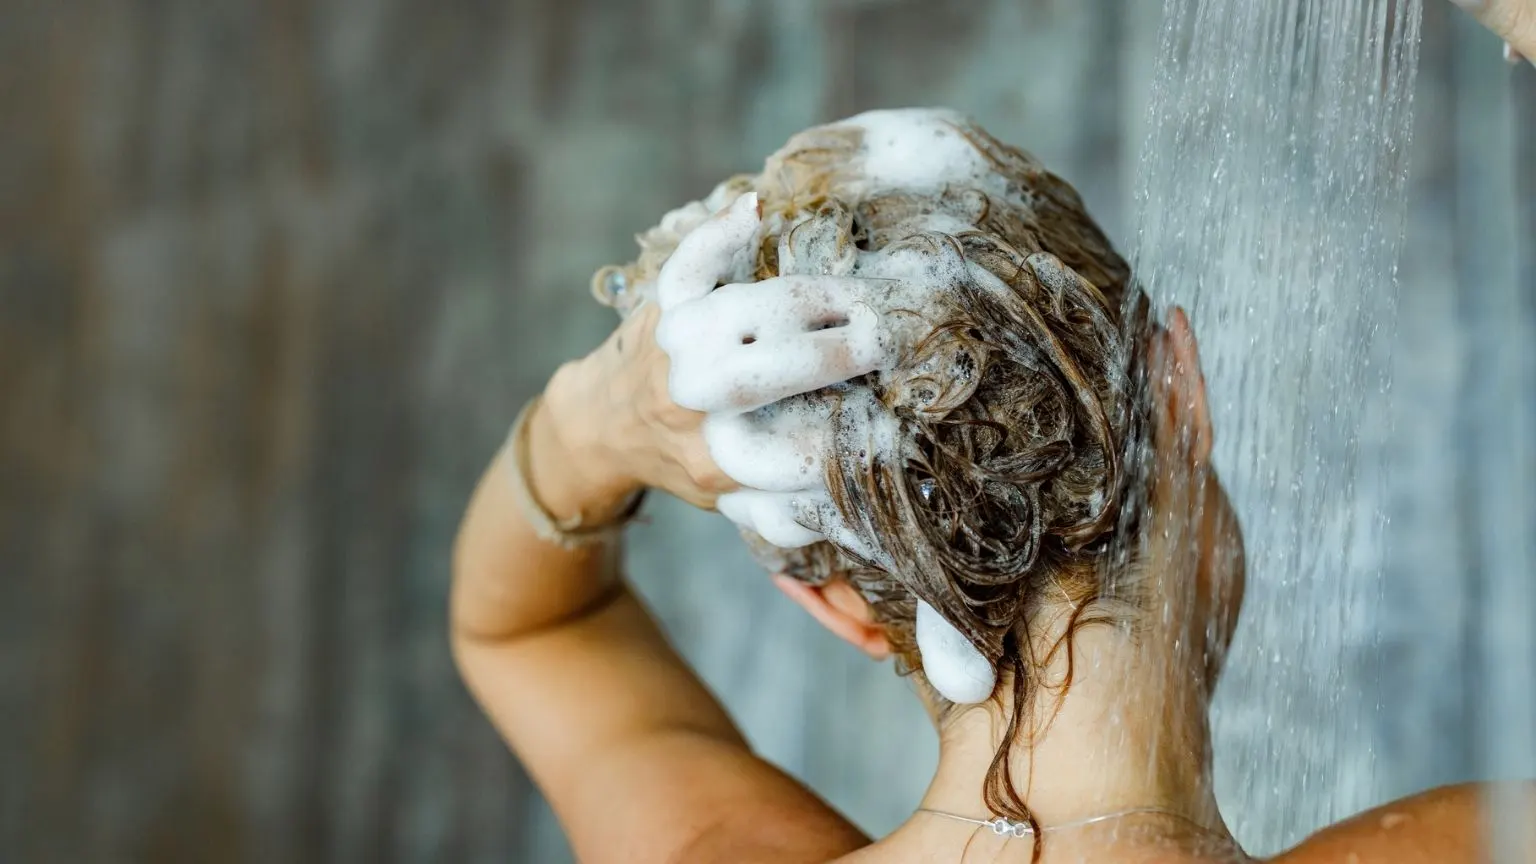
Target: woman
{"x":919,"y":391}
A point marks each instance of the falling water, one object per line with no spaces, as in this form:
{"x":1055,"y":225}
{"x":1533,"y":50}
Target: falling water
{"x":1270,"y":205}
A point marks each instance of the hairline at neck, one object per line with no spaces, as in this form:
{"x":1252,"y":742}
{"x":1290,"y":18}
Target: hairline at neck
{"x":1113,"y":740}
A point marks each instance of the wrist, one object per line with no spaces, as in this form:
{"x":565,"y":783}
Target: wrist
{"x":572,"y":470}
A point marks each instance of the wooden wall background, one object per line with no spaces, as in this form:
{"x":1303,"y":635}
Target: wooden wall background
{"x":275,"y":276}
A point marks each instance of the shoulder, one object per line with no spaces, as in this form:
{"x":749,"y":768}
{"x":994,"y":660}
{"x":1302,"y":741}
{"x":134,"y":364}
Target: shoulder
{"x":1441,"y":826}
{"x":784,"y":831}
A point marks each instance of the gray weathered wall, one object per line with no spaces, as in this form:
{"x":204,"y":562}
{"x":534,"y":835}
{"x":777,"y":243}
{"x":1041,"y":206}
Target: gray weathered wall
{"x":275,"y":276}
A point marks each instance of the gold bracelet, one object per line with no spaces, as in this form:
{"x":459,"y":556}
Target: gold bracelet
{"x":565,"y":533}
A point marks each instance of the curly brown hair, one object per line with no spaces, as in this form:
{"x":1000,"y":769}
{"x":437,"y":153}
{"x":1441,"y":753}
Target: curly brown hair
{"x":1019,"y":406}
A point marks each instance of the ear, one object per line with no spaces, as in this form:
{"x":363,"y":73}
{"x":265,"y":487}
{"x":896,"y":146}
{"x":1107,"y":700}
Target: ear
{"x":1186,"y":386}
{"x":840,"y":608}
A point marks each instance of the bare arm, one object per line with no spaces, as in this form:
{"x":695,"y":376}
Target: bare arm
{"x":1448,"y":825}
{"x":637,"y":758}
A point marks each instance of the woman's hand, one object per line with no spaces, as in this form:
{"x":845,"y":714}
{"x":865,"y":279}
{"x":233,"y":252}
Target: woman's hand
{"x":724,"y":351}
{"x":611,"y":414}
{"x":1514,"y":21}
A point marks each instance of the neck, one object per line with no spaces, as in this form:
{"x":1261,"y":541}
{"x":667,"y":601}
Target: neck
{"x":1129,"y":733}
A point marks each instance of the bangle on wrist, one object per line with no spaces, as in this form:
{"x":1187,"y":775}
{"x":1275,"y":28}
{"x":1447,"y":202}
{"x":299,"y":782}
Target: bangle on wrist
{"x":568,"y":533}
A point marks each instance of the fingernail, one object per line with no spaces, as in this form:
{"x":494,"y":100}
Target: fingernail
{"x":1511,"y":56}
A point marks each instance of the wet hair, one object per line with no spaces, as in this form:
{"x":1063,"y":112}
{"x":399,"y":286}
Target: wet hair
{"x":1020,"y":406}
{"x":1018,"y":409}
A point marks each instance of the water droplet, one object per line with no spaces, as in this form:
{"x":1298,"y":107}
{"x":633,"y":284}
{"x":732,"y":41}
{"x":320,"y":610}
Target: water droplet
{"x":1392,"y":820}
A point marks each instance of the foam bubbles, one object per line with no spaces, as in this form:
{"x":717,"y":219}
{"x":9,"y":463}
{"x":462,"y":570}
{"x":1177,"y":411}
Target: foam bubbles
{"x":772,"y":362}
{"x":776,"y":448}
{"x":768,"y":360}
{"x":772,"y":515}
{"x":917,"y":150}
{"x":951,"y":663}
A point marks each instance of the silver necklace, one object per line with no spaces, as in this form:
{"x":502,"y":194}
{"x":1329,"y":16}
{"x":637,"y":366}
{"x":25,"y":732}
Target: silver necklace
{"x":1008,"y":827}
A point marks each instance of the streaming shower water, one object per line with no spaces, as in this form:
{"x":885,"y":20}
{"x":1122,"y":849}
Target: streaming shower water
{"x":1270,"y":205}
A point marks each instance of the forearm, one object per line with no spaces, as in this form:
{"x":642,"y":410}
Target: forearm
{"x":508,"y":581}
{"x":568,"y":664}
{"x":633,"y":752}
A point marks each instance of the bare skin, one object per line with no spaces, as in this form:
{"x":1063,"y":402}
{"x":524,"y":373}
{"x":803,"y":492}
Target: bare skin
{"x":641,"y":763}
{"x":1514,"y":21}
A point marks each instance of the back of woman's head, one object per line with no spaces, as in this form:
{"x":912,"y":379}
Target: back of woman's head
{"x":1014,"y":405}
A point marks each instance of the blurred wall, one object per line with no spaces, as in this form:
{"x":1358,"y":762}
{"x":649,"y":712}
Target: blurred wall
{"x":275,"y":276}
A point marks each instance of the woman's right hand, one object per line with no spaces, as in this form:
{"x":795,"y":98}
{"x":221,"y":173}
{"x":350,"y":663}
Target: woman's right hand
{"x":612,"y":411}
{"x":670,"y":401}
{"x":1514,"y":21}
{"x":633,"y":413}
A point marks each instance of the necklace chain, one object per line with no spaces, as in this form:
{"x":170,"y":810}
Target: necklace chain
{"x":1008,"y":827}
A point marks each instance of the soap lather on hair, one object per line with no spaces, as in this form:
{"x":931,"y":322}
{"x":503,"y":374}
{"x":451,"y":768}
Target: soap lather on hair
{"x":900,"y":322}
